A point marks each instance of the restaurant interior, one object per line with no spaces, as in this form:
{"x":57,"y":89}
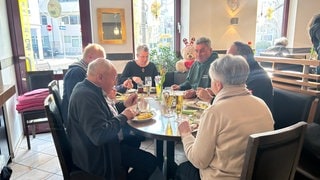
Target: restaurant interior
{"x":36,"y":156}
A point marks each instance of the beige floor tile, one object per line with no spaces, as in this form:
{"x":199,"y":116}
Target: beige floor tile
{"x":36,"y":160}
{"x":35,"y":174}
{"x":51,"y":166}
{"x":18,"y":170}
{"x":56,"y":177}
{"x":22,"y":154}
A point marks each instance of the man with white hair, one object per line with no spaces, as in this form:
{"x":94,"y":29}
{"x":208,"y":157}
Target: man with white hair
{"x":93,"y":128}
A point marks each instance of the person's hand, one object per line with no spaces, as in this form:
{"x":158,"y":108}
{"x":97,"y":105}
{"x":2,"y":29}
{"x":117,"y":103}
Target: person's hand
{"x":210,"y":91}
{"x":204,"y":95}
{"x":137,"y":80}
{"x":184,"y":128}
{"x":128,"y":84}
{"x":189,"y":94}
{"x":175,"y":87}
{"x":130,"y":113}
{"x":112,"y":94}
{"x":131,"y":100}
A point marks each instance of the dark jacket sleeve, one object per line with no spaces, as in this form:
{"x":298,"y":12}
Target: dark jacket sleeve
{"x":125,"y":73}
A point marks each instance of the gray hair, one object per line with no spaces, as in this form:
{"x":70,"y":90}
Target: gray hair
{"x":281,"y":41}
{"x":98,"y":66}
{"x":204,"y":40}
{"x":230,"y":70}
{"x":141,"y":48}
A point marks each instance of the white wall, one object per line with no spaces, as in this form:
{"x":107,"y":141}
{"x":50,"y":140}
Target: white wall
{"x":211,"y":18}
{"x":8,"y":77}
{"x":301,"y":12}
{"x":127,"y":47}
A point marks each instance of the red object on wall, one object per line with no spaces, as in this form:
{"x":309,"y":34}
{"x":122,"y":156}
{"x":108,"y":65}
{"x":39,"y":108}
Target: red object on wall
{"x":49,"y":27}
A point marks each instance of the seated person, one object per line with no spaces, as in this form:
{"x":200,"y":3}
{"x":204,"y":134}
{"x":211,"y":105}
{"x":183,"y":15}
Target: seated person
{"x":258,"y":82}
{"x":198,"y":74}
{"x":93,"y":127}
{"x":138,"y":69}
{"x":77,"y":73}
{"x":314,"y":33}
{"x":279,"y":48}
{"x":218,"y":150}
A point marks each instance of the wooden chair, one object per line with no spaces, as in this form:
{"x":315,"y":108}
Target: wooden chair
{"x":274,"y":154}
{"x":63,"y":148}
{"x":35,"y":80}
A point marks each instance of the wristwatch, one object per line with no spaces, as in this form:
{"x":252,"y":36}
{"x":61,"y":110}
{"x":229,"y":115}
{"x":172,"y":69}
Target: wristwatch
{"x":54,"y":8}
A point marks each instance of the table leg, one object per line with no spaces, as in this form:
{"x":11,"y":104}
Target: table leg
{"x":169,"y":162}
{"x":164,"y":151}
{"x":159,"y":152}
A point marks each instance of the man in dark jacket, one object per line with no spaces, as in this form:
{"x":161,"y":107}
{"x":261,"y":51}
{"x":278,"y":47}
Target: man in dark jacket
{"x":258,"y":82}
{"x":94,"y":129}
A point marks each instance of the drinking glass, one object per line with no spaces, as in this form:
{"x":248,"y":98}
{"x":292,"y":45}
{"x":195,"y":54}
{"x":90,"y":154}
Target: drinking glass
{"x":168,"y":100}
{"x":143,"y":105}
{"x":179,"y":104}
{"x":148,"y":84}
{"x":157,"y":80}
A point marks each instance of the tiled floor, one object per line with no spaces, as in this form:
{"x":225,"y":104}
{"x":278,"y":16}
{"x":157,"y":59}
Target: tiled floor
{"x":41,"y":162}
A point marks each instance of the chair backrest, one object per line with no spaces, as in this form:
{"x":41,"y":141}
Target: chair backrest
{"x":62,"y":144}
{"x":55,"y":91}
{"x":59,"y":135}
{"x":274,"y":154}
{"x":38,"y":79}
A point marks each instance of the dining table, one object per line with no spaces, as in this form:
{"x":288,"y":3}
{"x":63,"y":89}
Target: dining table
{"x":163,"y":128}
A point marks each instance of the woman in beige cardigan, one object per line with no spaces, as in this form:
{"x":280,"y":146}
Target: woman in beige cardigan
{"x":217,"y":151}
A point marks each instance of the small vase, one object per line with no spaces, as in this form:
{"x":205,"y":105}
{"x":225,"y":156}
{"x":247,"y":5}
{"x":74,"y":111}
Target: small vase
{"x":159,"y":89}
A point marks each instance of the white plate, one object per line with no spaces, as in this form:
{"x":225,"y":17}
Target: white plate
{"x":131,"y":90}
{"x":135,"y":119}
{"x":197,"y":105}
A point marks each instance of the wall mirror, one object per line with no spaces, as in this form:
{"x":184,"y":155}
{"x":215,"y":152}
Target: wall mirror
{"x":111,"y":26}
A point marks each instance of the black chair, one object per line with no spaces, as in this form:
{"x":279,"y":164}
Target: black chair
{"x":55,"y":91}
{"x":63,"y":148}
{"x":274,"y":154}
{"x":62,"y":144}
{"x":35,"y":80}
{"x":39,"y":79}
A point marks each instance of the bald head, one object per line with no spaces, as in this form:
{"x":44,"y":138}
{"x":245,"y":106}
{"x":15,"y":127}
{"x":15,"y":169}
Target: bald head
{"x":102,"y":73}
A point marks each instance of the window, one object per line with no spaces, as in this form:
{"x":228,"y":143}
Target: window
{"x":76,"y":41}
{"x":154,"y":23}
{"x":65,"y":20}
{"x":270,"y":15}
{"x":44,"y":20}
{"x":74,"y":19}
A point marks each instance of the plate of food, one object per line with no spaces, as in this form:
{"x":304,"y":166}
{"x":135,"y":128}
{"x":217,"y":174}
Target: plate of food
{"x":144,"y":116}
{"x":197,"y":104}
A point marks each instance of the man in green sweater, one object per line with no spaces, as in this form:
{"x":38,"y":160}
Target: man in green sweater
{"x":198,"y":74}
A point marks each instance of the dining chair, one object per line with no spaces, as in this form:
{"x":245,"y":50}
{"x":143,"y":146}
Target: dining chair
{"x":63,"y":148}
{"x":55,"y":91}
{"x":274,"y":154}
{"x":35,"y":80}
{"x":62,"y":144}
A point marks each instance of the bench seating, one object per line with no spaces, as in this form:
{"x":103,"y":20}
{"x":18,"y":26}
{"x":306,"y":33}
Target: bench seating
{"x":296,"y":98}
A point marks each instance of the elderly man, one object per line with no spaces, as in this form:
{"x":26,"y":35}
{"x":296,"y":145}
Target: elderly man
{"x":93,"y":127}
{"x":77,"y":72}
{"x":198,"y":74}
{"x":217,"y":152}
{"x":258,"y":82}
